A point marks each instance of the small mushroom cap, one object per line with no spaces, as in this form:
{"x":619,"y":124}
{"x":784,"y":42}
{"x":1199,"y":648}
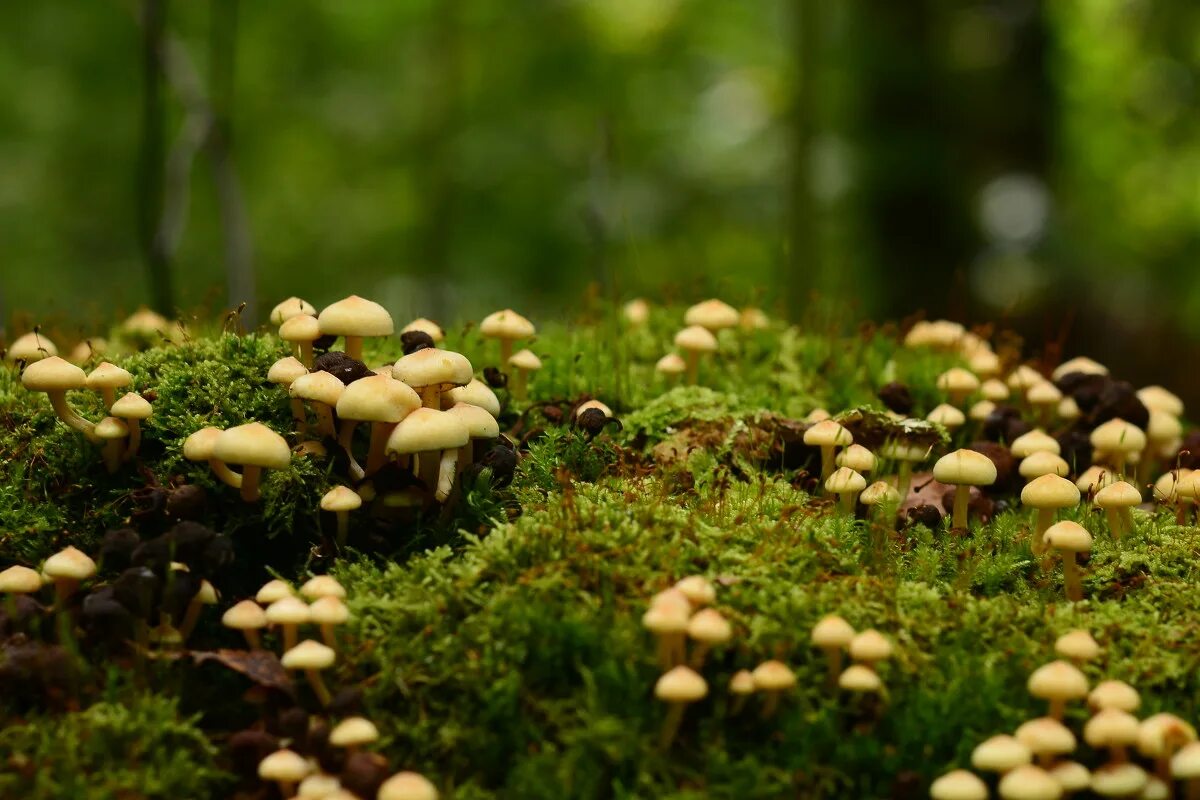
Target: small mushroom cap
{"x":1077,"y":645}
{"x":526,"y":360}
{"x":1111,"y":727}
{"x":994,"y":389}
{"x":199,"y":445}
{"x":1163,"y":427}
{"x":300,"y":328}
{"x":253,"y":444}
{"x":832,"y":631}
{"x":680,"y":685}
{"x":673,"y":598}
{"x":817,"y":415}
{"x":355,"y":316}
{"x":898,"y":450}
{"x":318,"y":787}
{"x":1155,"y":789}
{"x":1162,"y":731}
{"x":878,"y":493}
{"x":30,"y":347}
{"x":283,"y":765}
{"x":426,"y":326}
{"x":710,"y":627}
{"x":1185,"y":764}
{"x":1118,"y":436}
{"x":1071,"y":776}
{"x":1058,"y":680}
{"x":870,"y":645}
{"x":965,"y":468}
{"x":828,"y":433}
{"x":1034,"y":441}
{"x":1028,"y":782}
{"x":1068,"y":536}
{"x":1118,"y":780}
{"x":428,"y":429}
{"x":286,"y":309}
{"x":858,"y":678}
{"x":1118,"y":495}
{"x":433,"y":367}
{"x":774,"y":676}
{"x":320,"y":586}
{"x":1114,"y":694}
{"x":479,"y":423}
{"x":636,"y":311}
{"x":1042,"y":463}
{"x":286,"y":370}
{"x":353,"y":731}
{"x":670,"y":364}
{"x":132,"y":406}
{"x":1094,"y":478}
{"x":319,"y":387}
{"x":20,"y":580}
{"x":144,"y":322}
{"x":666,"y":618}
{"x":1050,"y":491}
{"x":753,"y":319}
{"x":378,"y":398}
{"x":742,"y":682}
{"x":1000,"y":753}
{"x":696,"y":339}
{"x":1024,"y":378}
{"x":957,"y":379}
{"x":328,"y":610}
{"x":857,"y":458}
{"x":958,"y":785}
{"x":947,"y":416}
{"x":1156,"y":398}
{"x":108,"y":376}
{"x":83,"y":351}
{"x":506,"y":324}
{"x":845,"y":481}
{"x":111,"y":428}
{"x":309,"y":654}
{"x":712,"y":314}
{"x":1080,"y":364}
{"x":698,"y":590}
{"x":1165,"y":488}
{"x":290,"y":610}
{"x":53,"y":374}
{"x":273,"y":590}
{"x":407,"y":786}
{"x":475,"y":393}
{"x":70,"y":563}
{"x":985,"y":364}
{"x":1044,"y":394}
{"x":340,"y":498}
{"x":590,"y":404}
{"x":246,"y":615}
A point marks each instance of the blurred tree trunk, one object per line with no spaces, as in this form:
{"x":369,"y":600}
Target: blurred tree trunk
{"x":803,"y":260}
{"x":151,"y":157}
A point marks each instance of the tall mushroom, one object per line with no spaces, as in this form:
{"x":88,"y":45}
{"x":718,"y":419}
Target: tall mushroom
{"x":964,"y":469}
{"x":1058,"y":682}
{"x":481,"y":426}
{"x":827,"y":435}
{"x":112,"y":432}
{"x":475,"y":393}
{"x":507,"y":326}
{"x":30,"y":347}
{"x":524,"y":362}
{"x":56,"y":377}
{"x":283,"y":373}
{"x":255,"y":447}
{"x":433,"y":438}
{"x":846,"y":484}
{"x":301,"y":331}
{"x":431,"y":372}
{"x":832,"y":635}
{"x":381,"y":401}
{"x":132,"y":408}
{"x":66,"y":569}
{"x":1118,"y":441}
{"x":677,"y":688}
{"x":773,"y":678}
{"x":106,"y":378}
{"x":249,"y":618}
{"x":200,"y":446}
{"x":1047,"y":494}
{"x":312,"y":657}
{"x":341,"y":500}
{"x":322,"y":391}
{"x":1069,"y":538}
{"x":292,"y":306}
{"x":695,"y":341}
{"x":355,"y":318}
{"x":1118,"y":500}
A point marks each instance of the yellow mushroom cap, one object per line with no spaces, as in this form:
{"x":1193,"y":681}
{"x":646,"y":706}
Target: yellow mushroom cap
{"x":1042,"y":463}
{"x":475,"y":393}
{"x":1094,"y":478}
{"x":857,"y":458}
{"x":286,"y":309}
{"x":319,"y":387}
{"x":696,"y":339}
{"x":1111,"y":727}
{"x":273,"y":590}
{"x":1058,"y":680}
{"x":590,"y":404}
{"x":353,"y":731}
{"x":328,"y":610}
{"x":665,"y":618}
{"x":947,"y":416}
{"x":698,"y":590}
{"x":132,"y":406}
{"x":1081,"y":364}
{"x":845,"y":481}
{"x":742,"y":682}
{"x":290,"y":610}
{"x":1118,"y":495}
{"x":426,"y":326}
{"x":1156,"y":398}
{"x":1118,"y":780}
{"x":320,"y":586}
{"x":1068,"y":409}
{"x":355,"y":316}
{"x":1050,"y":491}
{"x":246,"y":615}
{"x":20,"y":580}
{"x":828,"y":433}
{"x":479,"y":423}
{"x":339,"y":498}
{"x":300,"y":328}
{"x":1028,"y":782}
{"x":957,"y":379}
{"x":1071,"y":776}
{"x":506,"y":324}
{"x":879,"y":492}
{"x":1114,"y":694}
{"x":111,"y":428}
{"x":407,"y":786}
{"x":670,"y":364}
{"x":958,"y":785}
{"x":1044,"y":394}
{"x":283,"y":765}
{"x":1024,"y":378}
{"x":1077,"y":645}
{"x":1185,"y":764}
{"x":680,"y":685}
{"x":832,"y":631}
{"x":526,"y":360}
{"x":773,"y":676}
{"x":83,"y":351}
{"x":1162,"y":731}
{"x":897,"y":450}
{"x":199,"y":445}
{"x":30,"y":347}
{"x":994,"y":389}
{"x":870,"y":645}
{"x":753,"y":319}
{"x":1034,"y":441}
{"x":378,"y":398}
{"x":319,"y":787}
{"x":428,"y":429}
{"x":1118,"y":436}
{"x":253,"y":444}
{"x":1068,"y":536}
{"x":433,"y":367}
{"x":1000,"y":753}
{"x":710,"y":627}
{"x":817,"y":415}
{"x":108,"y":376}
{"x":309,"y":654}
{"x":965,"y":468}
{"x":712,"y":314}
{"x":857,"y":678}
{"x":53,"y":374}
{"x":984,"y":363}
{"x":636,"y":311}
{"x":70,"y":563}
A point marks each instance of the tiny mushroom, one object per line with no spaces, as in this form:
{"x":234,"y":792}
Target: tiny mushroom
{"x":709,"y":628}
{"x":285,"y":768}
{"x":319,"y":586}
{"x":255,"y":447}
{"x":671,"y":366}
{"x":1029,"y":783}
{"x":773,"y":678}
{"x":1119,"y":780}
{"x":301,"y":331}
{"x":846,"y":484}
{"x":30,"y":347}
{"x":355,"y":318}
{"x":381,"y":401}
{"x":56,"y":377}
{"x":1042,"y":463}
{"x":1080,"y":364}
{"x":200,"y":446}
{"x":636,"y":312}
{"x":407,"y":786}
{"x":289,"y":612}
{"x":677,"y":688}
{"x":322,"y":391}
{"x":1000,"y":754}
{"x":1047,"y":494}
{"x":433,"y":438}
{"x":132,"y":408}
{"x":507,"y":326}
{"x":694,"y":341}
{"x":1117,"y":500}
{"x":273,"y":590}
{"x":905,"y":455}
{"x":860,"y":679}
{"x":958,"y":785}
{"x":286,"y":309}
{"x":353,"y":732}
{"x":870,"y":647}
{"x":668,"y":621}
{"x":832,"y":635}
{"x":883,"y":496}
{"x":964,"y":469}
{"x":481,"y":427}
{"x":475,"y":393}
{"x":282,"y":373}
{"x":1185,"y":766}
{"x":66,"y":569}
{"x":341,"y":500}
{"x":1114,"y":730}
{"x":1034,"y":441}
{"x":1156,"y":398}
{"x":714,"y":315}
{"x":1044,"y":397}
{"x":1118,"y":441}
{"x":1058,"y":682}
{"x":206,"y":595}
{"x":948,"y":417}
{"x":524,"y":362}
{"x":1114,"y":694}
{"x":958,"y":384}
{"x":106,"y":378}
{"x":431,"y":372}
{"x":827,"y":435}
{"x":857,"y":458}
{"x":426,"y":326}
{"x":1071,"y":776}
{"x":113,"y":432}
{"x":249,"y":618}
{"x":1069,"y":538}
{"x":327,"y":613}
{"x":698,"y":590}
{"x":1077,"y":646}
{"x":312,"y":657}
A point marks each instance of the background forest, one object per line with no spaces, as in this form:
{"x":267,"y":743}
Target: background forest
{"x":1034,"y":163}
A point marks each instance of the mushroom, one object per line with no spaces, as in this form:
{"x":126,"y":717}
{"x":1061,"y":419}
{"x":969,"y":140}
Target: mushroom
{"x":832,"y":635}
{"x":1043,"y":463}
{"x":671,"y":366}
{"x":741,"y":686}
{"x":30,"y":347}
{"x":283,"y":373}
{"x":1094,"y":478}
{"x":709,"y":628}
{"x":1077,"y":646}
{"x":906,"y":456}
{"x":382,"y":401}
{"x":18,"y":580}
{"x":112,"y":432}
{"x":475,"y":393}
{"x":273,"y":590}
{"x":341,"y":500}
{"x":948,"y":417}
{"x":286,"y":309}
{"x":427,"y":327}
{"x":713,"y":315}
{"x":524,"y":362}
{"x":301,"y":331}
{"x":249,"y":618}
{"x":1046,"y":738}
{"x":694,"y":341}
{"x":1118,"y":500}
{"x":407,"y":786}
{"x":320,"y":586}
{"x":1069,"y":538}
{"x":1156,"y":398}
{"x":677,"y":688}
{"x":322,"y":787}
{"x":1029,"y":783}
{"x":355,"y":318}
{"x":827,"y":435}
{"x":958,"y":785}
{"x":289,"y":613}
{"x":964,"y":469}
{"x":698,"y":590}
{"x":328,"y":613}
{"x":1071,"y":776}
{"x":1058,"y":682}
{"x":636,"y":312}
{"x":883,"y":496}
{"x":1034,"y":441}
{"x":1044,"y":397}
{"x":1114,"y":730}
{"x":200,"y":446}
{"x":870,"y":647}
{"x":131,"y":409}
{"x":846,"y":484}
{"x":1163,"y":434}
{"x":205,"y":596}
{"x":668,"y":621}
{"x":753,"y":319}
{"x":1024,"y":378}
{"x":857,"y":458}
{"x":353,"y":733}
{"x":1161,"y":736}
{"x":1119,"y":780}
{"x":286,"y":768}
{"x":66,"y":569}
{"x":994,"y":389}
{"x":860,"y":679}
{"x":105,"y":379}
{"x":1080,"y":364}
{"x":1047,"y":494}
{"x":88,"y":349}
{"x":1185,"y":766}
{"x":322,"y":391}
{"x":507,"y":326}
{"x":255,"y":447}
{"x":773,"y":678}
{"x":958,"y":384}
{"x":1000,"y":754}
{"x":985,"y":364}
{"x":1118,"y":440}
{"x":431,"y":372}
{"x":433,"y":438}
{"x":1114,"y":694}
{"x":56,"y":377}
{"x":480,"y":425}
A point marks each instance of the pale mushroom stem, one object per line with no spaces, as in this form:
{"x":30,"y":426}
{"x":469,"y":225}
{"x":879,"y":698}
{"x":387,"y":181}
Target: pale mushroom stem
{"x":1045,"y":518}
{"x":447,"y":469}
{"x":343,"y":527}
{"x":354,"y":346}
{"x":666,"y":651}
{"x":377,"y":455}
{"x":849,"y":501}
{"x":1126,"y":515}
{"x":111,"y":453}
{"x":222,"y":471}
{"x":58,"y":400}
{"x":306,"y":354}
{"x":253,"y":640}
{"x":1145,"y":465}
{"x":770,"y":704}
{"x":833,"y":659}
{"x":699,"y":654}
{"x":299,"y":415}
{"x":325,"y":420}
{"x":250,"y":478}
{"x":520,"y":384}
{"x":1119,"y":465}
{"x":693,"y":367}
{"x":329,"y":635}
{"x":1118,"y":754}
{"x":431,"y":397}
{"x":826,"y":462}
{"x":962,"y":497}
{"x":346,"y":440}
{"x":109,"y":395}
{"x":291,"y":635}
{"x":135,"y":438}
{"x":190,"y":618}
{"x":1071,"y":578}
{"x":506,"y":347}
{"x":1057,"y":707}
{"x":1116,"y":522}
{"x":671,"y":724}
{"x":903,"y":479}
{"x":318,"y":687}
